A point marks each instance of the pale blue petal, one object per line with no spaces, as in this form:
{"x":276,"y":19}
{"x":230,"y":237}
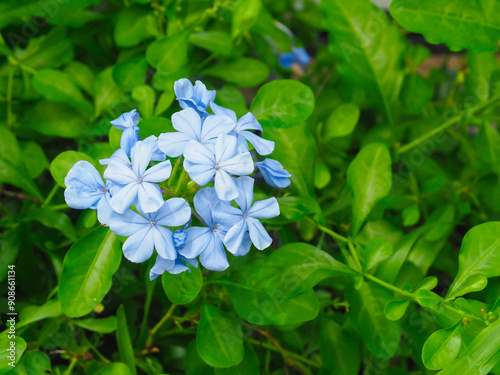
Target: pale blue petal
{"x":188,"y":121}
{"x":226,"y":147}
{"x":159,"y":172}
{"x":121,"y":155}
{"x":161,"y":265}
{"x":205,"y":201}
{"x":124,"y":198}
{"x":245,"y":246}
{"x":191,"y":261}
{"x":274,"y":173}
{"x":226,"y":215}
{"x":130,"y":137}
{"x":234,"y":236}
{"x":179,"y":267}
{"x":173,"y":144}
{"x":213,"y":126}
{"x":258,"y":234}
{"x":104,"y":210}
{"x":221,"y":111}
{"x":82,"y":197}
{"x":126,"y":120}
{"x":164,"y":243}
{"x":261,"y":145}
{"x":225,"y":186}
{"x":202,"y":96}
{"x":139,"y":247}
{"x":214,"y":257}
{"x":183,"y":88}
{"x":202,"y":174}
{"x":149,"y":198}
{"x":265,"y":209}
{"x":245,"y":187}
{"x":241,"y":164}
{"x":141,"y":156}
{"x":84,"y":173}
{"x":248,"y":122}
{"x":119,"y":172}
{"x":173,"y":213}
{"x":197,"y":241}
{"x":196,"y":153}
{"x":128,"y":223}
{"x":156,"y":154}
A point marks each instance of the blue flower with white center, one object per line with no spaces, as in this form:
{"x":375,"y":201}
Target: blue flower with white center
{"x":196,"y":97}
{"x":202,"y":165}
{"x":206,"y":241}
{"x":243,"y":219}
{"x":126,"y":120}
{"x":138,"y":184}
{"x":191,"y":127}
{"x":171,"y":266}
{"x":242,"y":129}
{"x":274,"y":173}
{"x":86,"y":189}
{"x":297,"y":56}
{"x":148,"y":231}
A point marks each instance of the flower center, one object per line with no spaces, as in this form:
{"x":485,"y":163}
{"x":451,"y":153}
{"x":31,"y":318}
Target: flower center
{"x":245,"y":215}
{"x":213,"y":228}
{"x":140,"y":180}
{"x":105,"y":190}
{"x":152,"y":223}
{"x":216,"y":166}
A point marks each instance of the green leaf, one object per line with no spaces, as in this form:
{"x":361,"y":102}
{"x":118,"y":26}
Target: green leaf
{"x":479,"y":258}
{"x":104,"y":325}
{"x":88,"y":270}
{"x":474,"y":25}
{"x":114,"y":368}
{"x":17,"y":351}
{"x":342,"y":121}
{"x":297,"y":208}
{"x":134,"y":24}
{"x":107,"y":92}
{"x":340,"y":350}
{"x":283,"y":103}
{"x":411,"y":215}
{"x":82,"y":75}
{"x":145,"y":97}
{"x":58,"y":86}
{"x":249,"y":365}
{"x":369,"y":47}
{"x":295,"y":148}
{"x":124,"y":341}
{"x":219,"y":338}
{"x":376,"y":251}
{"x":53,"y":219}
{"x":245,"y":13}
{"x":12,"y":169}
{"x":426,"y":298}
{"x":480,"y":356}
{"x":193,"y":364}
{"x":130,"y":73}
{"x":63,"y":162}
{"x":442,"y":347}
{"x":155,"y":126}
{"x":380,"y":336}
{"x":369,"y":179}
{"x":394,"y":310}
{"x":184,"y":287}
{"x":488,"y":144}
{"x":244,"y":71}
{"x":169,"y":54}
{"x":31,"y":314}
{"x":416,"y":93}
{"x":35,"y":160}
{"x":213,"y":40}
{"x":34,"y":362}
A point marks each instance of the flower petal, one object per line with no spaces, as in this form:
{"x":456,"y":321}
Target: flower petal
{"x":225,"y":186}
{"x":128,"y":223}
{"x":141,"y":156}
{"x":84,"y":173}
{"x":261,"y":145}
{"x":245,"y":246}
{"x":265,"y":209}
{"x":196,"y":153}
{"x":173,"y":213}
{"x":234,"y":236}
{"x":241,"y":164}
{"x":245,"y":187}
{"x":213,"y":126}
{"x":139,"y":247}
{"x":124,"y":198}
{"x":130,"y":137}
{"x":258,"y":234}
{"x":149,"y":197}
{"x":161,"y":265}
{"x":104,"y":210}
{"x":126,"y":120}
{"x":173,"y":144}
{"x":205,"y":201}
{"x":197,"y":240}
{"x":119,"y":172}
{"x":226,"y":215}
{"x":248,"y":122}
{"x":188,"y":121}
{"x":226,"y":147}
{"x":164,"y":243}
{"x":159,"y":172}
{"x":202,"y":174}
{"x":82,"y":197}
{"x":214,"y":257}
{"x":221,"y":111}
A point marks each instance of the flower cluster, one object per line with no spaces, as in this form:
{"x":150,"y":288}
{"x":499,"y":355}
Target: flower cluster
{"x":212,"y":148}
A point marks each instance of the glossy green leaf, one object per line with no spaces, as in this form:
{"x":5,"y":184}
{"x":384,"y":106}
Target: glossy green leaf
{"x":133,"y":25}
{"x":474,"y":25}
{"x":115,"y":368}
{"x":340,"y":350}
{"x":63,"y":162}
{"x":193,"y":364}
{"x":184,"y":287}
{"x":442,"y":347}
{"x":249,"y":365}
{"x":124,"y":341}
{"x":88,"y":270}
{"x":369,"y":178}
{"x":342,"y":121}
{"x":478,"y":259}
{"x":214,"y":41}
{"x":244,"y":71}
{"x":35,"y":160}
{"x":394,"y":310}
{"x":130,"y":73}
{"x":219,"y":338}
{"x":145,"y":97}
{"x":17,"y":350}
{"x":53,"y":219}
{"x":82,"y":75}
{"x":103,"y":325}
{"x":34,"y":362}
{"x":245,"y":13}
{"x":283,"y":104}
{"x":107,"y":92}
{"x":31,"y":314}
{"x":169,"y":53}
{"x":369,"y":47}
{"x":376,"y":250}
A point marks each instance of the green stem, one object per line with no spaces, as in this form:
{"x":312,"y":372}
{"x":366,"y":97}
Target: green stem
{"x":355,"y":255}
{"x":391,"y":287}
{"x":290,"y":354}
{"x":174,"y":172}
{"x":160,"y":323}
{"x":71,"y":366}
{"x":444,"y":126}
{"x":180,"y":182}
{"x":51,"y":195}
{"x":58,"y":207}
{"x":336,"y":236}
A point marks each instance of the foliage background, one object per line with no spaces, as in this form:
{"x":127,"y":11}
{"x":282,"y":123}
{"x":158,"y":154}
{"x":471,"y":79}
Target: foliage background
{"x":393,"y":163}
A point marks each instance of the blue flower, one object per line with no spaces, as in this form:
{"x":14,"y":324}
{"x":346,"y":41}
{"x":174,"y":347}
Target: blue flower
{"x":246,"y":217}
{"x":274,"y":173}
{"x":242,"y":127}
{"x":147,"y":231}
{"x":298,"y":56}
{"x":86,"y":189}
{"x":137,"y":184}
{"x":206,"y":241}
{"x":196,"y":97}
{"x":126,"y":120}
{"x":202,"y":165}
{"x":171,"y":266}
{"x":191,"y":127}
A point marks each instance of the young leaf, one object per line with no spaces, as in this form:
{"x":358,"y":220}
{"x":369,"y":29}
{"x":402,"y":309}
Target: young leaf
{"x":183,"y":287}
{"x":473,"y":24}
{"x":342,"y":121}
{"x":394,"y":310}
{"x":369,"y":178}
{"x":283,"y":103}
{"x":124,"y":341}
{"x":442,"y":347}
{"x":88,"y":270}
{"x":31,"y":314}
{"x":479,"y":258}
{"x":219,"y":338}
{"x":104,"y":325}
{"x":376,"y":250}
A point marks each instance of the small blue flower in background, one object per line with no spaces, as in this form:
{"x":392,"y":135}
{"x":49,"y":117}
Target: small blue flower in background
{"x":191,"y":127}
{"x":202,"y":165}
{"x":245,"y":219}
{"x":242,"y":127}
{"x":137,"y":182}
{"x":126,"y":120}
{"x":298,"y":56}
{"x":196,"y":97}
{"x":171,"y":266}
{"x":85,"y":188}
{"x":147,"y":231}
{"x":206,"y":241}
{"x":274,"y":173}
